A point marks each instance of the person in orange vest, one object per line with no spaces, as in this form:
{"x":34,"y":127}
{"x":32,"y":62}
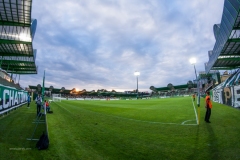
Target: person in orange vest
{"x":47,"y":106}
{"x":193,"y":96}
{"x":208,"y":107}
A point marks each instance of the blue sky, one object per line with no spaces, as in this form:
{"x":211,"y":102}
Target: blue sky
{"x":99,"y":44}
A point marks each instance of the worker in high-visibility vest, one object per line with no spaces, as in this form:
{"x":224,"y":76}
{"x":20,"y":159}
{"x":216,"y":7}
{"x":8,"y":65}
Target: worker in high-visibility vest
{"x":208,"y":107}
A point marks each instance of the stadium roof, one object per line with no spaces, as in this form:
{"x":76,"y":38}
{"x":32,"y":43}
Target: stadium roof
{"x":17,"y":31}
{"x":225,"y":54}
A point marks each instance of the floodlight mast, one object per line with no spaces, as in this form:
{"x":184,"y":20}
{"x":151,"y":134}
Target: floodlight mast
{"x":193,"y":62}
{"x":136,"y":73}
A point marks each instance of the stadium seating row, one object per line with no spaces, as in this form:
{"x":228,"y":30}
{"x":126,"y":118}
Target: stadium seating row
{"x":10,"y":84}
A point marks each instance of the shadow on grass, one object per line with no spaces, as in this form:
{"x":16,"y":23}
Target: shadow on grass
{"x":213,"y":143}
{"x":196,"y":146}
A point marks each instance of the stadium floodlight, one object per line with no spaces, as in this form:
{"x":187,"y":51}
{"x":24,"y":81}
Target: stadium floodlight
{"x":193,"y":62}
{"x":136,"y":73}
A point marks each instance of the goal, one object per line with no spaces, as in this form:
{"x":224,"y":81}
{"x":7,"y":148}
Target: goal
{"x":56,"y":97}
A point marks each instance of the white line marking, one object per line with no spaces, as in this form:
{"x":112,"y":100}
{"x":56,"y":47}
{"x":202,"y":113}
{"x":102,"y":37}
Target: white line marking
{"x":195,"y":110}
{"x":183,"y":123}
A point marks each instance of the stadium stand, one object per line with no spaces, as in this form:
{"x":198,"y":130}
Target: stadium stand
{"x":11,"y":83}
{"x":225,"y":53}
{"x":17,"y":56}
{"x":178,"y":90}
{"x":17,"y":30}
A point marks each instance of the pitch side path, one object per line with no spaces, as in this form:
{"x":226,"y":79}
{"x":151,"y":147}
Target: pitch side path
{"x":124,"y":129}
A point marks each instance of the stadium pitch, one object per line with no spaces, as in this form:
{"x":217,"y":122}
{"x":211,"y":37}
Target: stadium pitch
{"x":145,"y":111}
{"x":139,"y":129}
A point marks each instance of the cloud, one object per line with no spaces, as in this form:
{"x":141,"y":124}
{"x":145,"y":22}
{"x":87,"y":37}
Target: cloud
{"x":100,"y":44}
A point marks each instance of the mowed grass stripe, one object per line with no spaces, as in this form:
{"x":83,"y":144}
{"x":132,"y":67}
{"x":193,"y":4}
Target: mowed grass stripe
{"x":116,"y":117}
{"x":64,"y":127}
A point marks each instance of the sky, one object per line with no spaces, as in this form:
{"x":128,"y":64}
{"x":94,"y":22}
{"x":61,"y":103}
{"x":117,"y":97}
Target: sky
{"x":99,"y":44}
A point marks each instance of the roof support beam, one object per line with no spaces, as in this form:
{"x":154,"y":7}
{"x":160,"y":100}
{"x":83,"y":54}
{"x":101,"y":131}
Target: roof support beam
{"x":223,"y":68}
{"x":229,"y":59}
{"x":234,"y":40}
{"x":236,"y":28}
{"x":15,"y":61}
{"x":237,"y":54}
{"x":24,"y":72}
{"x":5,"y":41}
{"x":19,"y":54}
{"x":30,"y":68}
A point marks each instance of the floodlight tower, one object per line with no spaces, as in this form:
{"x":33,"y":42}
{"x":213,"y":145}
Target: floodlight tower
{"x":193,"y":62}
{"x":136,"y":73}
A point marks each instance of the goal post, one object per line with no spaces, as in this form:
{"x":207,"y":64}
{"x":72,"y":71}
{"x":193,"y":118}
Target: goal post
{"x":56,"y":97}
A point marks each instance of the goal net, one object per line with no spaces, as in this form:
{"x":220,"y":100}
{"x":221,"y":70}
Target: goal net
{"x":56,"y":97}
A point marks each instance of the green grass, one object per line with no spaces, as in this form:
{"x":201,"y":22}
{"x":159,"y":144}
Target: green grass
{"x":125,"y":129}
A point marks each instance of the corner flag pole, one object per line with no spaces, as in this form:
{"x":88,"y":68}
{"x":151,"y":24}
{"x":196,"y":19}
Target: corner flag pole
{"x":43,"y":87}
{"x":198,"y":100}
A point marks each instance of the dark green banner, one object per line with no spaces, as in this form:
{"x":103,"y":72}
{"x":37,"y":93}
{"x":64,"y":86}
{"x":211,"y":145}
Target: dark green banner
{"x":11,"y":97}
